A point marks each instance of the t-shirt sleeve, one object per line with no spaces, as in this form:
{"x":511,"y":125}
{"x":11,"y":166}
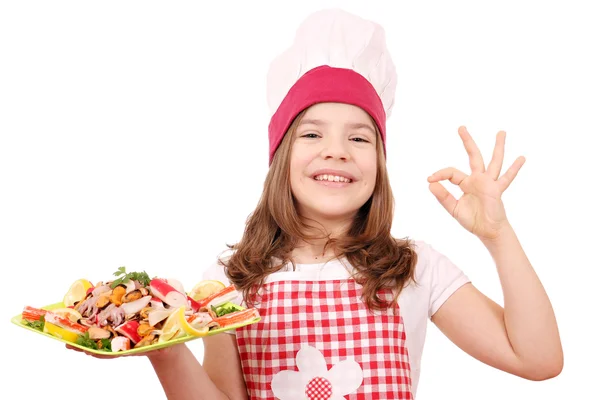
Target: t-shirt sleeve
{"x":444,"y":277}
{"x":216,"y":272}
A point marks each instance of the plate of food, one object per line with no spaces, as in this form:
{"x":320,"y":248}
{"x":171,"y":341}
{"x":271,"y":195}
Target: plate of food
{"x":133,"y":313}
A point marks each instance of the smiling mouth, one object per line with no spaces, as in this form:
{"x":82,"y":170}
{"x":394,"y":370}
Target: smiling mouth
{"x":332,"y":178}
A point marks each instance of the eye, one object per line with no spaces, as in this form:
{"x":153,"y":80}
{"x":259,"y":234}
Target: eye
{"x":359,"y":140}
{"x":310,"y":135}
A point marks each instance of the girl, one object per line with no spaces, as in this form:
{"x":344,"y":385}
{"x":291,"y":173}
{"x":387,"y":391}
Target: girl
{"x":344,"y":305}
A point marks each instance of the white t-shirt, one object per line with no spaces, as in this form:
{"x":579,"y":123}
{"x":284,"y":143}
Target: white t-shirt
{"x":437,"y":279}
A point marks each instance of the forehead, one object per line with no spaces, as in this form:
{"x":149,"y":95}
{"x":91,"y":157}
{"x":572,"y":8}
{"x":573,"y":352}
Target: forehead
{"x":338,"y":113}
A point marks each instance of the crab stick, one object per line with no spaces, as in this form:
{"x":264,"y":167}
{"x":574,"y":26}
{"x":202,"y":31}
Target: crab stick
{"x":129,"y":330}
{"x":66,"y":323}
{"x":32,"y":313}
{"x":167,"y":293}
{"x":222,"y":297}
{"x":237,"y":317}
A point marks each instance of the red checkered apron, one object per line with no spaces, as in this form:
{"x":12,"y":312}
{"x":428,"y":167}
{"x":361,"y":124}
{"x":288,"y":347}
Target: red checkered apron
{"x":330,"y":323}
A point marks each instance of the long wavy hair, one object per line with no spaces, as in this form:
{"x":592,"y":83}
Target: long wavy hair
{"x":273,"y":230}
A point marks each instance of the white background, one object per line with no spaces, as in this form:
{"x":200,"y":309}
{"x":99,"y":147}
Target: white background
{"x":135,"y":134}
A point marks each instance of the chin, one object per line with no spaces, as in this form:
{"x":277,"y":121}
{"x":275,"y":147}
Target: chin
{"x":332,"y":210}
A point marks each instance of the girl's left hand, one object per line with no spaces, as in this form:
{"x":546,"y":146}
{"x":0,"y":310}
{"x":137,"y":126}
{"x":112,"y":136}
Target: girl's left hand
{"x":480,"y":209}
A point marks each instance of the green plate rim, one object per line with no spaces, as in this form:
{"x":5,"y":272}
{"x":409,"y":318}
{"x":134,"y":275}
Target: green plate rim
{"x":18,"y":320}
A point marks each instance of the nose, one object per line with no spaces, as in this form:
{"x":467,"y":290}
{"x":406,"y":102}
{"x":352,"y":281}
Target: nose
{"x":336,"y":148}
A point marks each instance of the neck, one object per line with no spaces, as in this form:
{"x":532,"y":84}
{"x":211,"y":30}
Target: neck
{"x":313,"y":250}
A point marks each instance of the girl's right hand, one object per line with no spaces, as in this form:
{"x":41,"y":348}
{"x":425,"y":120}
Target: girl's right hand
{"x":153,"y":354}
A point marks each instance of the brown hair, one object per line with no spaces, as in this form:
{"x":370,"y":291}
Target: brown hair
{"x":274,"y":228}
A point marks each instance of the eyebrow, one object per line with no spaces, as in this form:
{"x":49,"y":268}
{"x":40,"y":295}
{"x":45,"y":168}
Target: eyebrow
{"x":356,"y":125}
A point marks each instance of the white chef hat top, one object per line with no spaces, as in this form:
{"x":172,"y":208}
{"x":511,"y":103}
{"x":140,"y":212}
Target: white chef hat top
{"x":339,"y":39}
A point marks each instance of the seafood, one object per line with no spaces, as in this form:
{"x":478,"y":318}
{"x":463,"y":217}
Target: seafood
{"x":87,"y":308}
{"x":112,"y":313}
{"x":120,"y":343}
{"x":116,"y":296}
{"x":132,"y":296}
{"x":103,"y":300}
{"x":101,"y":288}
{"x":135,"y":306}
{"x":98,"y":333}
{"x":147,"y":340}
{"x":130,"y":312}
{"x":236,"y":317}
{"x":32,"y":314}
{"x":144,"y":329}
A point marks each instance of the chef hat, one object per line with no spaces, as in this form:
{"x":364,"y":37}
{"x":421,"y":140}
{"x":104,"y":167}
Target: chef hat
{"x":335,"y":57}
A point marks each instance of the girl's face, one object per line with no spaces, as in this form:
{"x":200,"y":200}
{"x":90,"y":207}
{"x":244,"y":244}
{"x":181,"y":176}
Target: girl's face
{"x":333,"y":165}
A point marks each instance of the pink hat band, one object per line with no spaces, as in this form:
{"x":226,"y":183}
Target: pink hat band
{"x":325,"y":84}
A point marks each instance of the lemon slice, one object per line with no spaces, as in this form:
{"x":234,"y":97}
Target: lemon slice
{"x":205,"y":289}
{"x":59,"y":332}
{"x":68,"y":313}
{"x":172,"y":328}
{"x":189,"y":328}
{"x":77,"y":292}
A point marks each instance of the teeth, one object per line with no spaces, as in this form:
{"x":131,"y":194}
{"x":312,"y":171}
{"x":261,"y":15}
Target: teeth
{"x":332,"y":178}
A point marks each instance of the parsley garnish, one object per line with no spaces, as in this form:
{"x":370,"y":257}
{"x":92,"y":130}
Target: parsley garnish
{"x":124,"y":277}
{"x":39,"y":324}
{"x":85,"y":341}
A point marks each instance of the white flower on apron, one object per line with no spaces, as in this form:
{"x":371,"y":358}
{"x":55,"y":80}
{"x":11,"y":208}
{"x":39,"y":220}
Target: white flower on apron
{"x":314,"y":381}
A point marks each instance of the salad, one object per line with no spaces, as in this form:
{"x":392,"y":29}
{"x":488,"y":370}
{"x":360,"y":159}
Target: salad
{"x":134,"y":310}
